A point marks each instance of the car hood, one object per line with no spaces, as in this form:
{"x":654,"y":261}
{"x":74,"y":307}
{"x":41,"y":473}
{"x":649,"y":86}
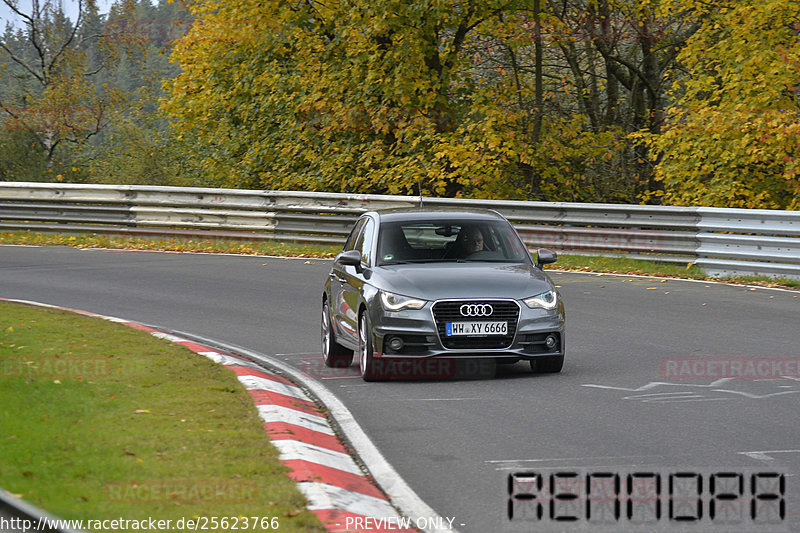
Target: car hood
{"x":436,"y":281}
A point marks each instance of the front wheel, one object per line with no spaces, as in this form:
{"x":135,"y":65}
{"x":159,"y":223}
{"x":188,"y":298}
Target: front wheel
{"x":547,"y":365}
{"x":366,"y":361}
{"x":334,"y":354}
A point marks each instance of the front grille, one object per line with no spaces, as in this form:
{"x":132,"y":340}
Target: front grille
{"x":503,"y":310}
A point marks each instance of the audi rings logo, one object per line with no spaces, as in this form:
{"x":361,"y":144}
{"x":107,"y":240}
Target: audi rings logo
{"x":476,"y":310}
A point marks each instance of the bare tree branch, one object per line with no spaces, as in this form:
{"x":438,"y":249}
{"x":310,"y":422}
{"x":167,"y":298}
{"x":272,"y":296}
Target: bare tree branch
{"x":22,"y":63}
{"x":13,"y":7}
{"x":71,"y":37}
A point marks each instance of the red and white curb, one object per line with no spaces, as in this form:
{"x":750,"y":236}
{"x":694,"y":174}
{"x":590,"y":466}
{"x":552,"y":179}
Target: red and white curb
{"x":338,"y":491}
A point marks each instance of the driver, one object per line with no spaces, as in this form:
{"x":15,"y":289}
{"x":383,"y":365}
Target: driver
{"x":473,"y":240}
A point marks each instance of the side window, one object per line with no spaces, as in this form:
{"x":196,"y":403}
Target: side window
{"x":364,"y":242}
{"x":350,"y":243}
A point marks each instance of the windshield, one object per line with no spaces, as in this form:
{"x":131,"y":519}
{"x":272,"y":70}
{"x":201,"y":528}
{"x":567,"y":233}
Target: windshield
{"x":449,"y":241}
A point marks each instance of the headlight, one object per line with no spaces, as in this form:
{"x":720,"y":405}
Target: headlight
{"x":546,"y":300}
{"x":397,"y":302}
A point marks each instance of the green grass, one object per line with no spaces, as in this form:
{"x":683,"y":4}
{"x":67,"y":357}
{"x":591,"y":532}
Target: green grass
{"x":624,"y":265}
{"x":101,"y":421}
{"x":217,"y":246}
{"x":618,"y":265}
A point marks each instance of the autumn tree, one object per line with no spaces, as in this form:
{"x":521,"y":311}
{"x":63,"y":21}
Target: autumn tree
{"x":343,"y":96}
{"x":520,"y":99}
{"x":137,"y":146}
{"x":80,"y":97}
{"x":50,"y":95}
{"x":732,"y":136}
{"x":605,"y":65}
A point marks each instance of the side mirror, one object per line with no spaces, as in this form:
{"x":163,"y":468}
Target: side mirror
{"x":350,"y":258}
{"x":545,"y":256}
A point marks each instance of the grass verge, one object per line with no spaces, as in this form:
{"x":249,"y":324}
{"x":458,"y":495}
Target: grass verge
{"x":101,"y":421}
{"x":624,"y":265}
{"x":217,"y":246}
{"x":583,"y":263}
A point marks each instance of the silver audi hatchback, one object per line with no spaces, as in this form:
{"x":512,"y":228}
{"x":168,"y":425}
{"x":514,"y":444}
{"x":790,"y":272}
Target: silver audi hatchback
{"x":432,"y":287}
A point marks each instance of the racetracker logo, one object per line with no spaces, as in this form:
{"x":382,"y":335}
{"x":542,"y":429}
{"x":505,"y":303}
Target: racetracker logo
{"x":389,"y":369}
{"x":705,"y":368}
{"x":55,"y":367}
{"x":182,"y":492}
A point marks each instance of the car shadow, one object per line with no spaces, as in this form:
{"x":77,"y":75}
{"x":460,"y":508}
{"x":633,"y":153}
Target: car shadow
{"x":451,"y":370}
{"x":424,"y":370}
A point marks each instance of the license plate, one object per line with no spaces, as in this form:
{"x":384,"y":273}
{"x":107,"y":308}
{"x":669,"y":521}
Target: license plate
{"x":454,"y":329}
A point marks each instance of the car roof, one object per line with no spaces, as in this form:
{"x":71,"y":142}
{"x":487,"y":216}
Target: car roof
{"x":414,"y":214}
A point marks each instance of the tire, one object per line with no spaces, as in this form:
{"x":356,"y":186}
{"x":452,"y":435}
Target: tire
{"x":334,"y":354}
{"x":547,"y":365}
{"x":366,"y":362}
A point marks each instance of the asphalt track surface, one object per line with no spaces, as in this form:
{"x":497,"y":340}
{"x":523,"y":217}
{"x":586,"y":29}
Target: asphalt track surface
{"x":621,"y":406}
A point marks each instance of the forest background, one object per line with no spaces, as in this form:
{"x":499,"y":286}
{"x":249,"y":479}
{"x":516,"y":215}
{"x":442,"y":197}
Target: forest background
{"x":675,"y":102}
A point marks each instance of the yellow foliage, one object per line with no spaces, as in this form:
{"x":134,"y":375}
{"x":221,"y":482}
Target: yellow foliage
{"x":732,"y":137}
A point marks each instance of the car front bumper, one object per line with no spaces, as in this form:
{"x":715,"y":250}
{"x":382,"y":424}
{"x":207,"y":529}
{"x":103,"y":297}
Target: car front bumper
{"x":423,"y":336}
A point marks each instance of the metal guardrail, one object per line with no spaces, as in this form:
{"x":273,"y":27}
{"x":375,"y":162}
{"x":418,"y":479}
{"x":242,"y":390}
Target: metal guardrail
{"x":749,"y":242}
{"x":721,"y":241}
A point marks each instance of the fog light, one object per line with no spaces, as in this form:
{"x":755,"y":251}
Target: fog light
{"x":551,"y":341}
{"x":395,"y":344}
